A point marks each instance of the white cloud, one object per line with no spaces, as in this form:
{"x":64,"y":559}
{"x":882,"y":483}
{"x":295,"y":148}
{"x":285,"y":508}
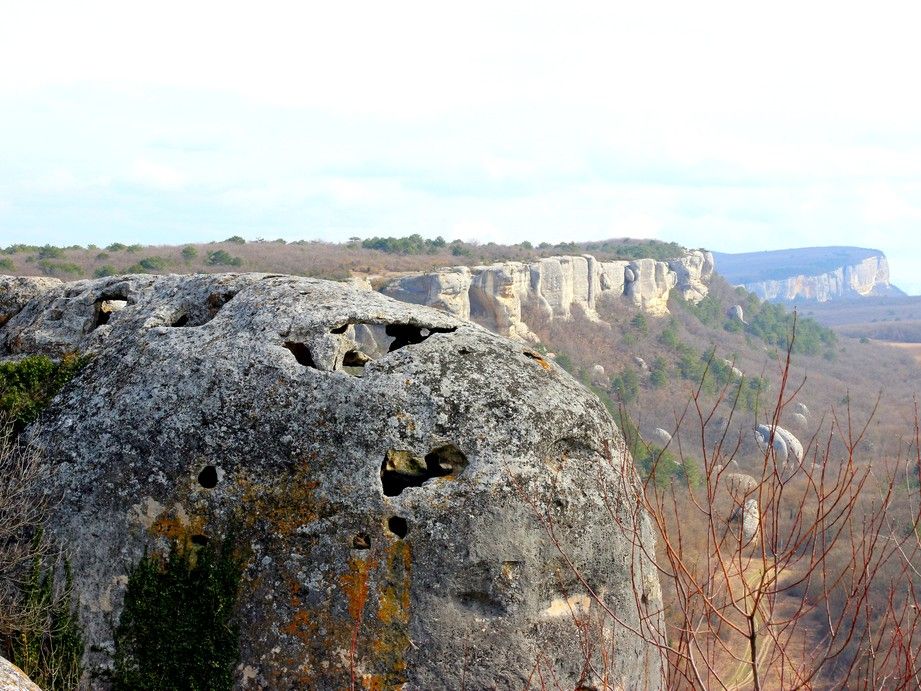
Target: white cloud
{"x":157,"y":175}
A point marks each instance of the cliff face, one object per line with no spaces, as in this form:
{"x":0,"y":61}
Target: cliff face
{"x":502,"y":296}
{"x":819,"y":274}
{"x":390,"y":467}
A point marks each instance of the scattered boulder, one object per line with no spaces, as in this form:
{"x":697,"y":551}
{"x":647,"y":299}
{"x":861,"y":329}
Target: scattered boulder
{"x":799,"y":420}
{"x":736,"y":313}
{"x":763,"y":437}
{"x":794,"y":446}
{"x":397,"y":514}
{"x":801,"y":408}
{"x":597,"y":373}
{"x":14,"y":679}
{"x":641,"y":363}
{"x":661,"y":436}
{"x":749,"y":516}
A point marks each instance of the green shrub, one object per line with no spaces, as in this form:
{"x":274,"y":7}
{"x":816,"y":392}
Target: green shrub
{"x":29,"y":384}
{"x":50,"y":252}
{"x":222,"y":258}
{"x":658,"y":375}
{"x":236,"y":239}
{"x":669,"y":335}
{"x":640,"y":323}
{"x":59,"y":268}
{"x":177,"y":628}
{"x":105,"y":270}
{"x":49,"y":646}
{"x":116,"y":247}
{"x":412,"y":244}
{"x":6,"y":264}
{"x":189,"y":253}
{"x":134,"y":249}
{"x":153,"y":263}
{"x":626,"y":386}
{"x":102,"y":256}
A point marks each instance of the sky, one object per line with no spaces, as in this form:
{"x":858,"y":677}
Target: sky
{"x":732,"y":126}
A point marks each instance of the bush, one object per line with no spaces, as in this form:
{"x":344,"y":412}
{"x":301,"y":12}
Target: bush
{"x":236,"y":239}
{"x":177,"y":626}
{"x":116,"y":247}
{"x":50,"y":252}
{"x":189,"y":253}
{"x":222,"y":258}
{"x":412,"y":244}
{"x":626,"y":386}
{"x":59,"y":268}
{"x":640,"y":323}
{"x":49,"y":647}
{"x":105,"y":270}
{"x":29,"y":384}
{"x":150,"y":264}
{"x":134,"y":249}
{"x":102,"y":256}
{"x":6,"y":264}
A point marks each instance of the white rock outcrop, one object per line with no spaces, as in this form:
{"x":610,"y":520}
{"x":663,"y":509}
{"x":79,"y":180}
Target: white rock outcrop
{"x":506,"y":296}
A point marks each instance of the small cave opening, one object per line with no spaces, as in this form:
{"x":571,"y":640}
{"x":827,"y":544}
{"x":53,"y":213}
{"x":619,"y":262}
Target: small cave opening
{"x":411,"y":334}
{"x":200,"y":540}
{"x":398,"y":526}
{"x":217,"y":300}
{"x":355,"y":358}
{"x":207,"y":478}
{"x":361,"y":541}
{"x":106,"y":305}
{"x":401,"y":469}
{"x":339,"y":329}
{"x":180,"y":321}
{"x":301,"y":353}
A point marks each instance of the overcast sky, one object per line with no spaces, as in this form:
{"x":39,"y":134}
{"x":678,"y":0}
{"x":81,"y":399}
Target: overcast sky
{"x":733,"y":126}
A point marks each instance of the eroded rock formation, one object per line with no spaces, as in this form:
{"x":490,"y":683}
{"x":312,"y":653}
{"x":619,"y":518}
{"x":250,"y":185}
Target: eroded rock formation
{"x":505,"y":296}
{"x":390,"y":467}
{"x":14,"y":679}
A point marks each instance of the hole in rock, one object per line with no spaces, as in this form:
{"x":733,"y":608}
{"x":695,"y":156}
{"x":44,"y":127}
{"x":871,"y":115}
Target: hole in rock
{"x":355,"y":358}
{"x":217,"y":300}
{"x":362,"y":541}
{"x":207,"y":478}
{"x":401,"y":469}
{"x":301,"y":353}
{"x":482,"y":602}
{"x":409,"y":334}
{"x":339,"y":329}
{"x":182,"y":320}
{"x":200,"y":540}
{"x":398,"y":526}
{"x":107,"y":304}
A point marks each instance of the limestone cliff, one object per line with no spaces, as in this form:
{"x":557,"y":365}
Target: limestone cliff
{"x":502,"y":296}
{"x":396,"y":474}
{"x":812,"y":274}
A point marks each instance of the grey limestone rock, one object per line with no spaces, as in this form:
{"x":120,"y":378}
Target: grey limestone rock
{"x":14,"y":679}
{"x":392,"y":469}
{"x":16,"y":291}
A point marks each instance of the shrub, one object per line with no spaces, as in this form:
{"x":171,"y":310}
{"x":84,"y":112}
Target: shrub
{"x":236,"y":239}
{"x":626,"y":386}
{"x":102,"y":256}
{"x":29,"y":384}
{"x":178,"y":624}
{"x":49,"y":645}
{"x":640,"y":323}
{"x":412,"y":244}
{"x":50,"y":252}
{"x":116,"y":247}
{"x":6,"y":264}
{"x":105,"y":270}
{"x":189,"y":253}
{"x":134,"y":249}
{"x":151,"y":264}
{"x":222,"y":258}
{"x":59,"y":268}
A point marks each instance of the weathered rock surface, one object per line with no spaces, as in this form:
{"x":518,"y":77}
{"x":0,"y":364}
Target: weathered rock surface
{"x":763,"y":437}
{"x":14,"y":679}
{"x":388,"y":464}
{"x":504,"y":297}
{"x":749,"y":516}
{"x":661,"y":437}
{"x":16,"y":291}
{"x":737,"y":313}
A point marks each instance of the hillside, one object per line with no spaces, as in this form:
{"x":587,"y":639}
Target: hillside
{"x":809,"y":274}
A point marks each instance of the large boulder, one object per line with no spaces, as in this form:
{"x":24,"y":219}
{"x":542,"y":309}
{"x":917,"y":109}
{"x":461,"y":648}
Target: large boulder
{"x":16,"y":291}
{"x":421,"y":502}
{"x":693,"y":271}
{"x":14,"y":679}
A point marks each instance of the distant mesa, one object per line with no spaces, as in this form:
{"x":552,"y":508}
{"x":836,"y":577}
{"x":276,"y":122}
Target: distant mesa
{"x":811,"y":274}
